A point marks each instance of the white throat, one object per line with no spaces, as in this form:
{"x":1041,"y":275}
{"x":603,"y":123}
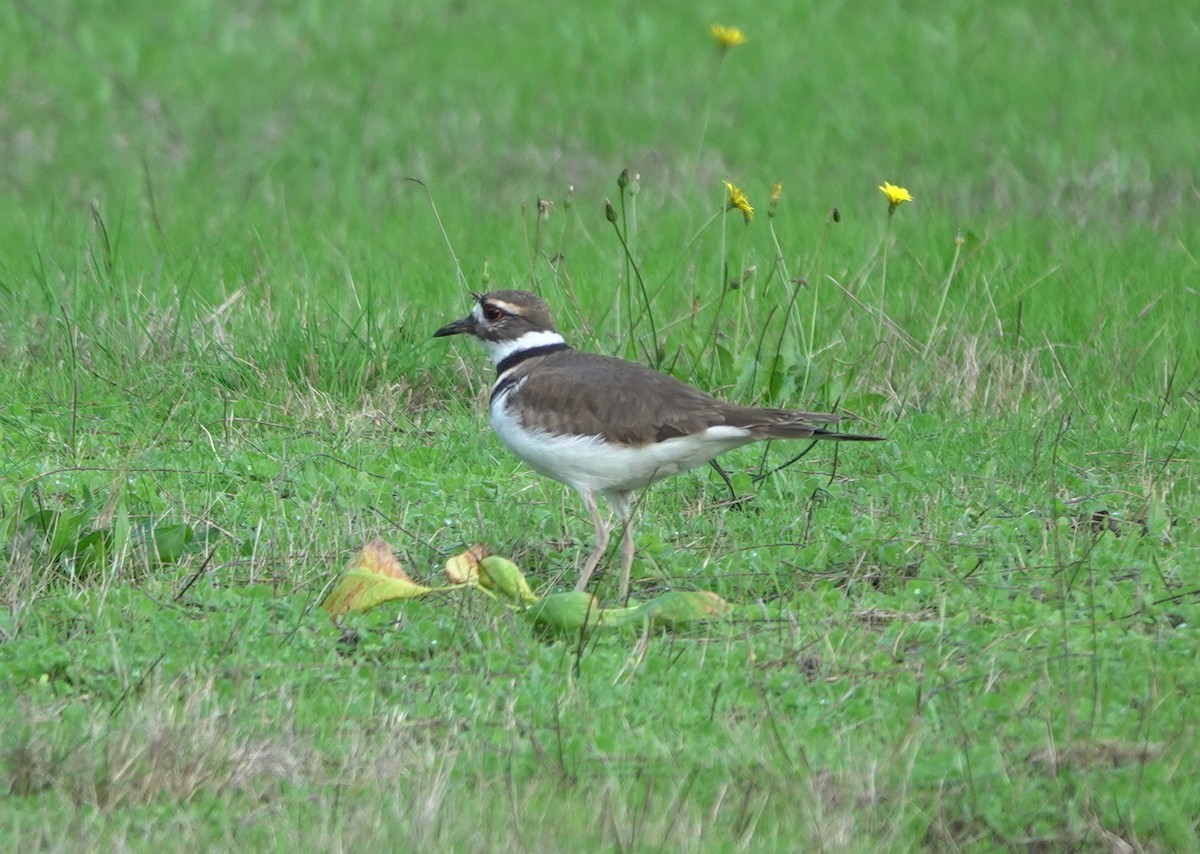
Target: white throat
{"x":501,"y":350}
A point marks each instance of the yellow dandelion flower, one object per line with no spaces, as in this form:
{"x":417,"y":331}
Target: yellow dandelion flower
{"x":895,"y":195}
{"x":727,"y":37}
{"x":738,"y":201}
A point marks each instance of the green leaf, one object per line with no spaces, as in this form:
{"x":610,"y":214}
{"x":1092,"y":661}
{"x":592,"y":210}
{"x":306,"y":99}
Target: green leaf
{"x":171,"y":542}
{"x":680,"y":607}
{"x":501,"y":575}
{"x":93,"y":549}
{"x":565,"y":612}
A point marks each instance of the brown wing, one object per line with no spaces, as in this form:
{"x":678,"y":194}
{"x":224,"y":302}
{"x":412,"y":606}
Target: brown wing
{"x":625,"y":402}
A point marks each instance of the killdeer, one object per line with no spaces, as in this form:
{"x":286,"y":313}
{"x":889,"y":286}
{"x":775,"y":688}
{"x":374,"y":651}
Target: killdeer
{"x":604,"y":425}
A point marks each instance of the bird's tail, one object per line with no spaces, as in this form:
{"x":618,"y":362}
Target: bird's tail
{"x":793,"y":424}
{"x":844,"y":437}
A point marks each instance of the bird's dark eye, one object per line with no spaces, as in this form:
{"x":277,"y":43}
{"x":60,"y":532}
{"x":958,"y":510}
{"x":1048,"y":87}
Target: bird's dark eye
{"x":492,"y":313}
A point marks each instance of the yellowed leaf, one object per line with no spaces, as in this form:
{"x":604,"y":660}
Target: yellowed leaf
{"x":376,"y":557}
{"x":463,"y":568}
{"x":373,"y":576}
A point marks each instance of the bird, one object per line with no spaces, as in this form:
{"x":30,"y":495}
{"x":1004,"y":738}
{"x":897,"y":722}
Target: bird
{"x":603,"y":425}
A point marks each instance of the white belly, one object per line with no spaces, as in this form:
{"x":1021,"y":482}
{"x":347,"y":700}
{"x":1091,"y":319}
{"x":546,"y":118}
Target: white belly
{"x":591,"y":463}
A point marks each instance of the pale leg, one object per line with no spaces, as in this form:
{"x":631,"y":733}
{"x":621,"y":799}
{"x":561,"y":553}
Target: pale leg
{"x":601,"y":541}
{"x":620,"y":502}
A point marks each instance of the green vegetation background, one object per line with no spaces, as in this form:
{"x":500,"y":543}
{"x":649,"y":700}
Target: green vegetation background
{"x":216,"y":295}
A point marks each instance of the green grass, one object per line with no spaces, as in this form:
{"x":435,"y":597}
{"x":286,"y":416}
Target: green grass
{"x":216,"y":295}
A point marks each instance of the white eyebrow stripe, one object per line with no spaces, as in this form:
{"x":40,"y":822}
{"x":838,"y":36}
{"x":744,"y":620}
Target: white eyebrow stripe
{"x":506,"y":307}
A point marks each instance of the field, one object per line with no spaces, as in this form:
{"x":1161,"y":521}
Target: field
{"x":227,"y":236}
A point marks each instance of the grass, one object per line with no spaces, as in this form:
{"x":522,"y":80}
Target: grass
{"x":218,"y":289}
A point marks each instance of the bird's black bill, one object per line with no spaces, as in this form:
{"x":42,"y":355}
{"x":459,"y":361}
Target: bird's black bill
{"x":458,"y":327}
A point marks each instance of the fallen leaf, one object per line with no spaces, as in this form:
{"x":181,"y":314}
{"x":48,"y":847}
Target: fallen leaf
{"x":501,"y":575}
{"x":373,"y":576}
{"x":566,"y":612}
{"x":463,"y":568}
{"x":684,"y":606}
{"x":376,"y":557}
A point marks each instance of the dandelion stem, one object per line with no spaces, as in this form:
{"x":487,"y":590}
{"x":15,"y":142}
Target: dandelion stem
{"x":708,"y":102}
{"x":887,"y":234}
{"x":699,"y":231}
{"x":721,"y":282}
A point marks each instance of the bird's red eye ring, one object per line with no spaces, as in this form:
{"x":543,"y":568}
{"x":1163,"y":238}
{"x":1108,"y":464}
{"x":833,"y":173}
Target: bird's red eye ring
{"x":492,"y":313}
